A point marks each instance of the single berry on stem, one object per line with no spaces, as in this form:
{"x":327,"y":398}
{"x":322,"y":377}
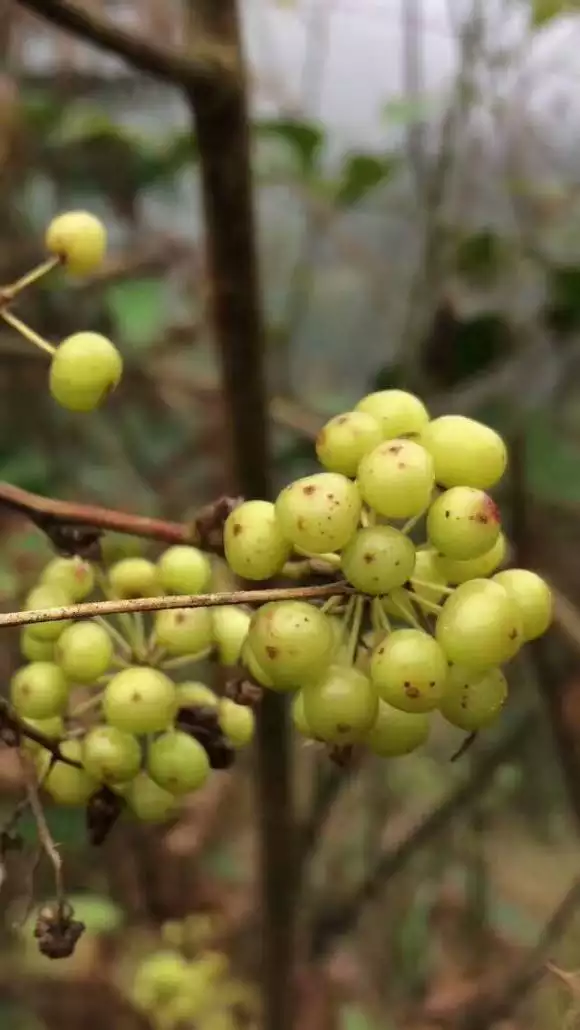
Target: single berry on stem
{"x":184,"y":570}
{"x":378,"y":559}
{"x":345,"y":439}
{"x":253,"y":542}
{"x":409,"y":670}
{"x":79,"y":239}
{"x":84,"y":370}
{"x":396,"y":479}
{"x":319,"y":513}
{"x":465,"y":452}
{"x":140,"y":700}
{"x":473,"y":701}
{"x":480,"y":625}
{"x":84,"y":651}
{"x":463,"y":523}
{"x":398,"y":412}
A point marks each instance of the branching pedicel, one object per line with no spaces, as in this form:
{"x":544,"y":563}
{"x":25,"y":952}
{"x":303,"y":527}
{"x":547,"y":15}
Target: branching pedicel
{"x":395,"y":632}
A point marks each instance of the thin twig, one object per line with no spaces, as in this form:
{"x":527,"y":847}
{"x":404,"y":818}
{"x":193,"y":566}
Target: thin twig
{"x":44,"y":834}
{"x":90,"y":609}
{"x":342,"y":918}
{"x":208,"y":60}
{"x":23,"y":729}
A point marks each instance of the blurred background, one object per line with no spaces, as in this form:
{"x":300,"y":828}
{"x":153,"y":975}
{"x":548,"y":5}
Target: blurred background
{"x":418,"y":203}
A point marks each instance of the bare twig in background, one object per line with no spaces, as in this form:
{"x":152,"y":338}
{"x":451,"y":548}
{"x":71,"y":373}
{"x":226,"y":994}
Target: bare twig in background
{"x":488,"y":1009}
{"x":210,"y":60}
{"x":44,"y":834}
{"x":342,"y":918}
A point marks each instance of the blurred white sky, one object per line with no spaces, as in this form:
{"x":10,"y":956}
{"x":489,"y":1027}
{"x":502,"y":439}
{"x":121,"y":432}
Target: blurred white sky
{"x":355,"y":52}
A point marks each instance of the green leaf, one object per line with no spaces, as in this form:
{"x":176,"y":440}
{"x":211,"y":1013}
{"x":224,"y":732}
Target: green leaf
{"x":361,"y":174}
{"x":139,"y":308}
{"x":544,"y":10}
{"x":402,"y":111}
{"x":304,"y":138}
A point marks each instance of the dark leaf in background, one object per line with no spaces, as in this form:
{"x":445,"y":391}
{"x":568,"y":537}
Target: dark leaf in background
{"x":361,"y":174}
{"x":304,"y":138}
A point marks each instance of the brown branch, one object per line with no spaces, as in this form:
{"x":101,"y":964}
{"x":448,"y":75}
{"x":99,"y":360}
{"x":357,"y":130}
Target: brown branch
{"x":91,"y":609}
{"x":48,"y":514}
{"x":209,"y":60}
{"x":12,"y":723}
{"x":223,"y":134}
{"x":342,"y":917}
{"x":485,"y":1010}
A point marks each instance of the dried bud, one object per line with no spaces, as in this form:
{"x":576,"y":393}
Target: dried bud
{"x":103,"y":811}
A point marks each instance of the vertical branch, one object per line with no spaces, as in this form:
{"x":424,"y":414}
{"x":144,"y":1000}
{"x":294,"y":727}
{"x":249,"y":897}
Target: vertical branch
{"x":221,"y":125}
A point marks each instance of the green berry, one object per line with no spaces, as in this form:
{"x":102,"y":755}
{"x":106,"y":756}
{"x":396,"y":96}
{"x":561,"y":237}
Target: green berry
{"x":134,"y":577}
{"x":292,"y":642}
{"x":395,"y":733}
{"x":184,"y":570}
{"x":237,"y":722}
{"x":195,"y":694}
{"x":45,"y":596}
{"x":378,"y":559}
{"x":39,"y":691}
{"x":66,"y":784}
{"x":84,"y":370}
{"x":342,"y":706}
{"x":457,"y":572}
{"x":34,"y":649}
{"x":177,"y":763}
{"x":532,"y":597}
{"x":160,"y":977}
{"x":396,"y":479}
{"x":463,"y":523}
{"x":319,"y":513}
{"x":183,"y":631}
{"x":74,"y":575}
{"x":473,"y":701}
{"x":140,"y":700}
{"x":253,"y":542}
{"x":409,"y":670}
{"x":399,"y":413}
{"x":149,"y":802}
{"x":79,"y":239}
{"x":111,"y":755}
{"x":345,"y":439}
{"x":480,"y":625}
{"x":84,"y":651}
{"x":465,"y":452}
{"x":230,"y":629}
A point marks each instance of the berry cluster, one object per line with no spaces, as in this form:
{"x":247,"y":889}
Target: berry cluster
{"x":186,"y":981}
{"x":85,"y":367}
{"x":407,"y":628}
{"x":427,"y":626}
{"x":107,"y":691}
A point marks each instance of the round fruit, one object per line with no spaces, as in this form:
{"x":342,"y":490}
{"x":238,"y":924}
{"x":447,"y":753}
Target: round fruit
{"x":183,"y":631}
{"x":47,"y":597}
{"x":457,"y":572}
{"x":396,"y":479}
{"x":463,"y":523}
{"x":79,"y":239}
{"x":66,"y":784}
{"x":319,"y":513}
{"x":148,"y":801}
{"x":378,"y":559}
{"x":237,"y":722}
{"x":399,"y":413}
{"x":533,"y":598}
{"x":184,"y":570}
{"x":345,"y":439}
{"x":84,"y":370}
{"x":465,"y":452}
{"x":134,"y":577}
{"x":116,"y":546}
{"x":196,"y":695}
{"x":74,"y":575}
{"x":252,"y":665}
{"x":39,"y":691}
{"x":480,"y":625}
{"x":230,"y":628}
{"x":177,"y":763}
{"x":33,"y":648}
{"x":140,"y":700}
{"x":160,"y":977}
{"x":292,"y":642}
{"x":428,"y":569}
{"x":473,"y":700}
{"x":299,"y":715}
{"x":84,"y":651}
{"x":253,"y":542}
{"x":342,"y":706}
{"x":111,"y":755}
{"x":395,"y":732}
{"x":409,"y":670}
